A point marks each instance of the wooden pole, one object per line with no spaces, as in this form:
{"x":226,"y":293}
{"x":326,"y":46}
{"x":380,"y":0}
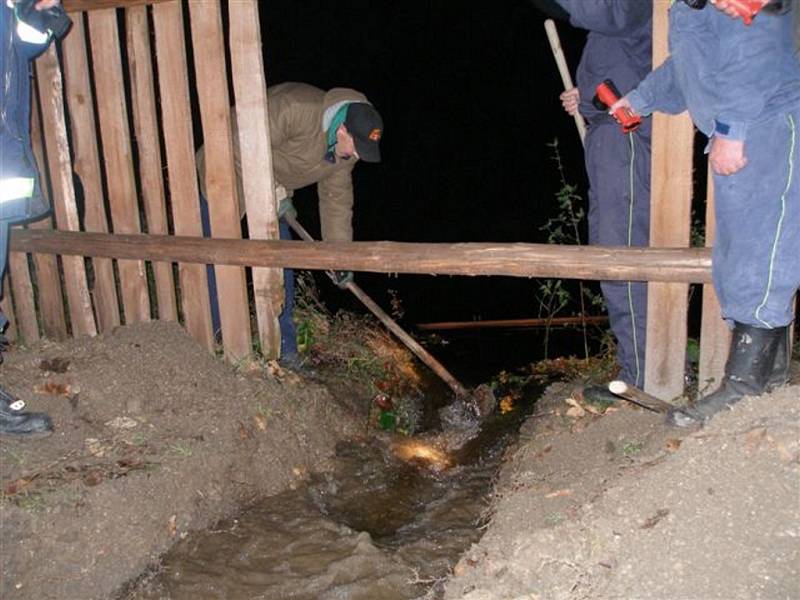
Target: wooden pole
{"x":687,"y":265}
{"x":563,"y":69}
{"x":637,"y":396}
{"x":412,"y":344}
{"x":512,"y":323}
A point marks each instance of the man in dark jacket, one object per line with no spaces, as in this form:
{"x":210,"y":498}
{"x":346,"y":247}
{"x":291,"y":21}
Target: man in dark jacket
{"x":23,"y":35}
{"x":618,"y":47}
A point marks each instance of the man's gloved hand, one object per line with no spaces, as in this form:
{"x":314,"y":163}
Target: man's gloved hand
{"x":342,"y":278}
{"x":286,"y":208}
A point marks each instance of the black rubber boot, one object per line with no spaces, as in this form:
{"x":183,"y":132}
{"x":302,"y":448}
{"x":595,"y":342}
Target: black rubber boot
{"x":783,"y":355}
{"x":16,"y":421}
{"x":750,"y":365}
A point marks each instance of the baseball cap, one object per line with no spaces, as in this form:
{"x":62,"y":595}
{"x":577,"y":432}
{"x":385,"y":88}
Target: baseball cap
{"x":366,"y":126}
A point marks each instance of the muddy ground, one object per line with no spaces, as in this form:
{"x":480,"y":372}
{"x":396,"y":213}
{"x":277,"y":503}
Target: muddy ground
{"x":155,"y":438}
{"x":617,"y":505}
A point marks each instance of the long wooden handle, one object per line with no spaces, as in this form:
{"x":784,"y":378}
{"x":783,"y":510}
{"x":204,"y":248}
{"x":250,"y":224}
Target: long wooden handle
{"x":558,"y":54}
{"x":637,"y":396}
{"x":390,"y":323}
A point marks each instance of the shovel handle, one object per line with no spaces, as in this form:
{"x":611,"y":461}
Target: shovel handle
{"x":561,"y":62}
{"x":391,"y":324}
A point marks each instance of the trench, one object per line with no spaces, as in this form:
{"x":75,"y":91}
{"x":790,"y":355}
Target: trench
{"x":377,"y":526}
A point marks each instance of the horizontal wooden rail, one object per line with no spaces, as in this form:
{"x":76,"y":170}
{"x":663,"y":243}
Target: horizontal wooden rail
{"x":688,"y":265}
{"x":513,"y":323}
{"x":79,"y":5}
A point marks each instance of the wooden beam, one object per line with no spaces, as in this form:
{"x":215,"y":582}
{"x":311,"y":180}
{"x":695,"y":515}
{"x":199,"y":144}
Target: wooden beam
{"x":151,"y":166}
{"x":670,"y":213}
{"x":683,"y":265}
{"x":512,"y":323}
{"x":80,"y":5}
{"x":215,"y":113}
{"x":184,"y":195}
{"x":258,"y":183}
{"x":86,"y":162}
{"x":51,"y":90}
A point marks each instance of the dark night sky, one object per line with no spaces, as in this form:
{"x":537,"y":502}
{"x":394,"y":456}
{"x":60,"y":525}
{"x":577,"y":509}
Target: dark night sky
{"x":469,"y":96}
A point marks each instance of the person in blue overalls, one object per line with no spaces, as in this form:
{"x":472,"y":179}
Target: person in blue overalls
{"x":618,"y":47}
{"x":26,"y":30}
{"x":741,"y":85}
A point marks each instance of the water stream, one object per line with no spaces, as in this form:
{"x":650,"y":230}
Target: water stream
{"x":375,"y":528}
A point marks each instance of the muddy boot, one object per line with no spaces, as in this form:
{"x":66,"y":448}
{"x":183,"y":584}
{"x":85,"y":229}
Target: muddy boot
{"x":751,"y":362}
{"x":16,"y":421}
{"x":783,"y":355}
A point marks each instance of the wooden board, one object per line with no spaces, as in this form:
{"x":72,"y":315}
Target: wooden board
{"x":24,"y":316}
{"x":7,"y":309}
{"x":82,"y":5}
{"x":86,"y":162}
{"x":250,"y":89}
{"x":47,"y":277}
{"x":211,"y":81}
{"x":151,"y":167}
{"x":179,"y":144}
{"x":51,"y":91}
{"x":670,"y":215}
{"x":715,"y":335}
{"x":113,"y":118}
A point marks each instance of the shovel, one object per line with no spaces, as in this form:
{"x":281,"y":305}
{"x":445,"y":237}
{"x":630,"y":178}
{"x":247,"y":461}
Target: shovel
{"x":480,"y":401}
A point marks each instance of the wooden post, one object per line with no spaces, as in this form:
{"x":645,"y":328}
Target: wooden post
{"x":24,"y":307}
{"x":58,"y":156}
{"x":715,"y":335}
{"x":211,"y":78}
{"x":7,"y":309}
{"x":86,"y":162}
{"x":670,"y":214}
{"x":179,"y":144}
{"x":113,"y":116}
{"x":48,"y":279}
{"x":250,"y":90}
{"x":145,"y":121}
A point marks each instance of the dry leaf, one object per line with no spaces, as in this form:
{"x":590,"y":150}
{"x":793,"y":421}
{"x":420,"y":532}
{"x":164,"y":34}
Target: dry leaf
{"x":261,"y":421}
{"x":172,"y":525}
{"x":96,"y":447}
{"x":244,"y":433}
{"x":673,"y":444}
{"x":53,"y":388}
{"x":754,"y":438}
{"x":93,"y":478}
{"x":54,"y":365}
{"x":16,"y":486}
{"x":122,"y":423}
{"x":576,"y":412}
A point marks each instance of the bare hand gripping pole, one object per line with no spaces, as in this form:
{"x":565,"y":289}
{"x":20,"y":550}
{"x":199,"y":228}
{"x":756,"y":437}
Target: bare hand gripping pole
{"x":420,"y":352}
{"x":558,"y":54}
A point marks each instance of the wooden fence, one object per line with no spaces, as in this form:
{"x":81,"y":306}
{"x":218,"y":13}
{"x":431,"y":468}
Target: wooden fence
{"x":116,"y":109}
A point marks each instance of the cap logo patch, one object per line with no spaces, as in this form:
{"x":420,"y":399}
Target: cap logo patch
{"x":375,"y":135}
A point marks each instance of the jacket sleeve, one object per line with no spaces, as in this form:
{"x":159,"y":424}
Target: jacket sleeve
{"x":745,"y":76}
{"x":609,"y":17}
{"x":658,"y":91}
{"x":336,"y":206}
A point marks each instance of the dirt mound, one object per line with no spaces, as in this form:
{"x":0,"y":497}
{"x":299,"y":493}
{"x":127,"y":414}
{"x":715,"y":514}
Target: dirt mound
{"x":620,"y":506}
{"x":154,"y":438}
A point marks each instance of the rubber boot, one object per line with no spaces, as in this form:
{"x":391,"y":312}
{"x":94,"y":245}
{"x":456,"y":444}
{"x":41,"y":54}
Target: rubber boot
{"x":783,"y":355}
{"x":16,"y":421}
{"x":751,"y":361}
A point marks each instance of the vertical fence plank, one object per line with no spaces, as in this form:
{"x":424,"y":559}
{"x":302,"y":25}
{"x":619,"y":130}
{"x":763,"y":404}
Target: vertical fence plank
{"x":86,"y":162}
{"x":715,"y":336}
{"x":54,"y":125}
{"x":211,"y":80}
{"x":145,"y":119}
{"x":24,"y":307}
{"x":671,"y":195}
{"x":179,"y":143}
{"x":113,"y":116}
{"x":250,"y":90}
{"x":48,"y":279}
{"x":9,"y":311}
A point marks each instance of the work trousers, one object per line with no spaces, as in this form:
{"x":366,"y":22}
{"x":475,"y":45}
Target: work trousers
{"x":756,"y":255}
{"x":618,"y":167}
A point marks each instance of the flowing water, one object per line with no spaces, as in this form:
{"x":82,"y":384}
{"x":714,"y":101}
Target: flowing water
{"x":375,"y":528}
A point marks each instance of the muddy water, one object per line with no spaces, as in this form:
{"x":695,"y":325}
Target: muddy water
{"x":376,"y":528}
